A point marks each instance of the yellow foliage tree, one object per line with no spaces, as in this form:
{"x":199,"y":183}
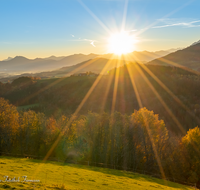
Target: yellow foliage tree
{"x":191,"y":144}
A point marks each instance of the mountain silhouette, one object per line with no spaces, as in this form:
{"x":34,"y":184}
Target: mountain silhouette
{"x":19,"y":64}
{"x":195,"y":43}
{"x":54,"y":58}
{"x":188,"y":57}
{"x":142,"y":56}
{"x":8,"y":59}
{"x":96,"y":65}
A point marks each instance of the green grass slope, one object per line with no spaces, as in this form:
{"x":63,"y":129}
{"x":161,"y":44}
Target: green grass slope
{"x":55,"y":175}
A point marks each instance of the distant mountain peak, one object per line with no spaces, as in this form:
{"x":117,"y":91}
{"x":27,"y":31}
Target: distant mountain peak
{"x":38,"y":59}
{"x":93,"y":54}
{"x":195,"y":43}
{"x":53,"y":56}
{"x":187,"y":57}
{"x":19,"y":57}
{"x":8,"y":59}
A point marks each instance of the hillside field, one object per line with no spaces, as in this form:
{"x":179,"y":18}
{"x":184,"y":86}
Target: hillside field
{"x":54,"y":175}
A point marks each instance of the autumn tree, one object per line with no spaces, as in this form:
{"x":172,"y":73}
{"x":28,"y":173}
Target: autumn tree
{"x":190,"y":146}
{"x":8,"y":125}
{"x":153,"y":136}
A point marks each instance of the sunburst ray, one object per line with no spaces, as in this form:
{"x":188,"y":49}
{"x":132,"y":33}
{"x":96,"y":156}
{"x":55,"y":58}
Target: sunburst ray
{"x":75,"y":114}
{"x":146,"y":122}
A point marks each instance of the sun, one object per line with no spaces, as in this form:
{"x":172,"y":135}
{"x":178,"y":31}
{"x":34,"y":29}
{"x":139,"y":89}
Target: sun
{"x":121,"y":43}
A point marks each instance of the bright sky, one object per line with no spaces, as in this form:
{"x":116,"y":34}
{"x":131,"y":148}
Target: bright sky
{"x":41,"y":28}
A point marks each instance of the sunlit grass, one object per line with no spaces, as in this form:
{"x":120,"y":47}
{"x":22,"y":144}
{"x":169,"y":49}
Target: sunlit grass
{"x":68,"y":176}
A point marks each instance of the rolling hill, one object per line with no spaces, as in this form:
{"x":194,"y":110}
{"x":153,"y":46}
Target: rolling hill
{"x":188,"y":57}
{"x":94,"y":65}
{"x":142,"y":56}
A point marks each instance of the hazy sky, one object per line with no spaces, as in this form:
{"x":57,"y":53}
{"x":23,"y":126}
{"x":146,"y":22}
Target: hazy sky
{"x":41,"y":28}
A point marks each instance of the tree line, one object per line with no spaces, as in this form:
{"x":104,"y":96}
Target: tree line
{"x":138,"y":141}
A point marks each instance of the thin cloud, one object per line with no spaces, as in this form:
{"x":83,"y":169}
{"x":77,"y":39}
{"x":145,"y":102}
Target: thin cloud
{"x":184,"y":24}
{"x":165,"y":17}
{"x":92,"y":43}
{"x":130,"y":31}
{"x":84,"y":40}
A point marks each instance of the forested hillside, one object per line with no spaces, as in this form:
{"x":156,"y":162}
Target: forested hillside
{"x":169,"y":91}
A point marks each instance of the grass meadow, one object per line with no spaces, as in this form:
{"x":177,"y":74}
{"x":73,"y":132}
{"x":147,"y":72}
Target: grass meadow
{"x":55,"y":175}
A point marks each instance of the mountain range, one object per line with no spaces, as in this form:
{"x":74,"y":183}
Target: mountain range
{"x":20,"y":64}
{"x":67,"y":65}
{"x":142,"y":56}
